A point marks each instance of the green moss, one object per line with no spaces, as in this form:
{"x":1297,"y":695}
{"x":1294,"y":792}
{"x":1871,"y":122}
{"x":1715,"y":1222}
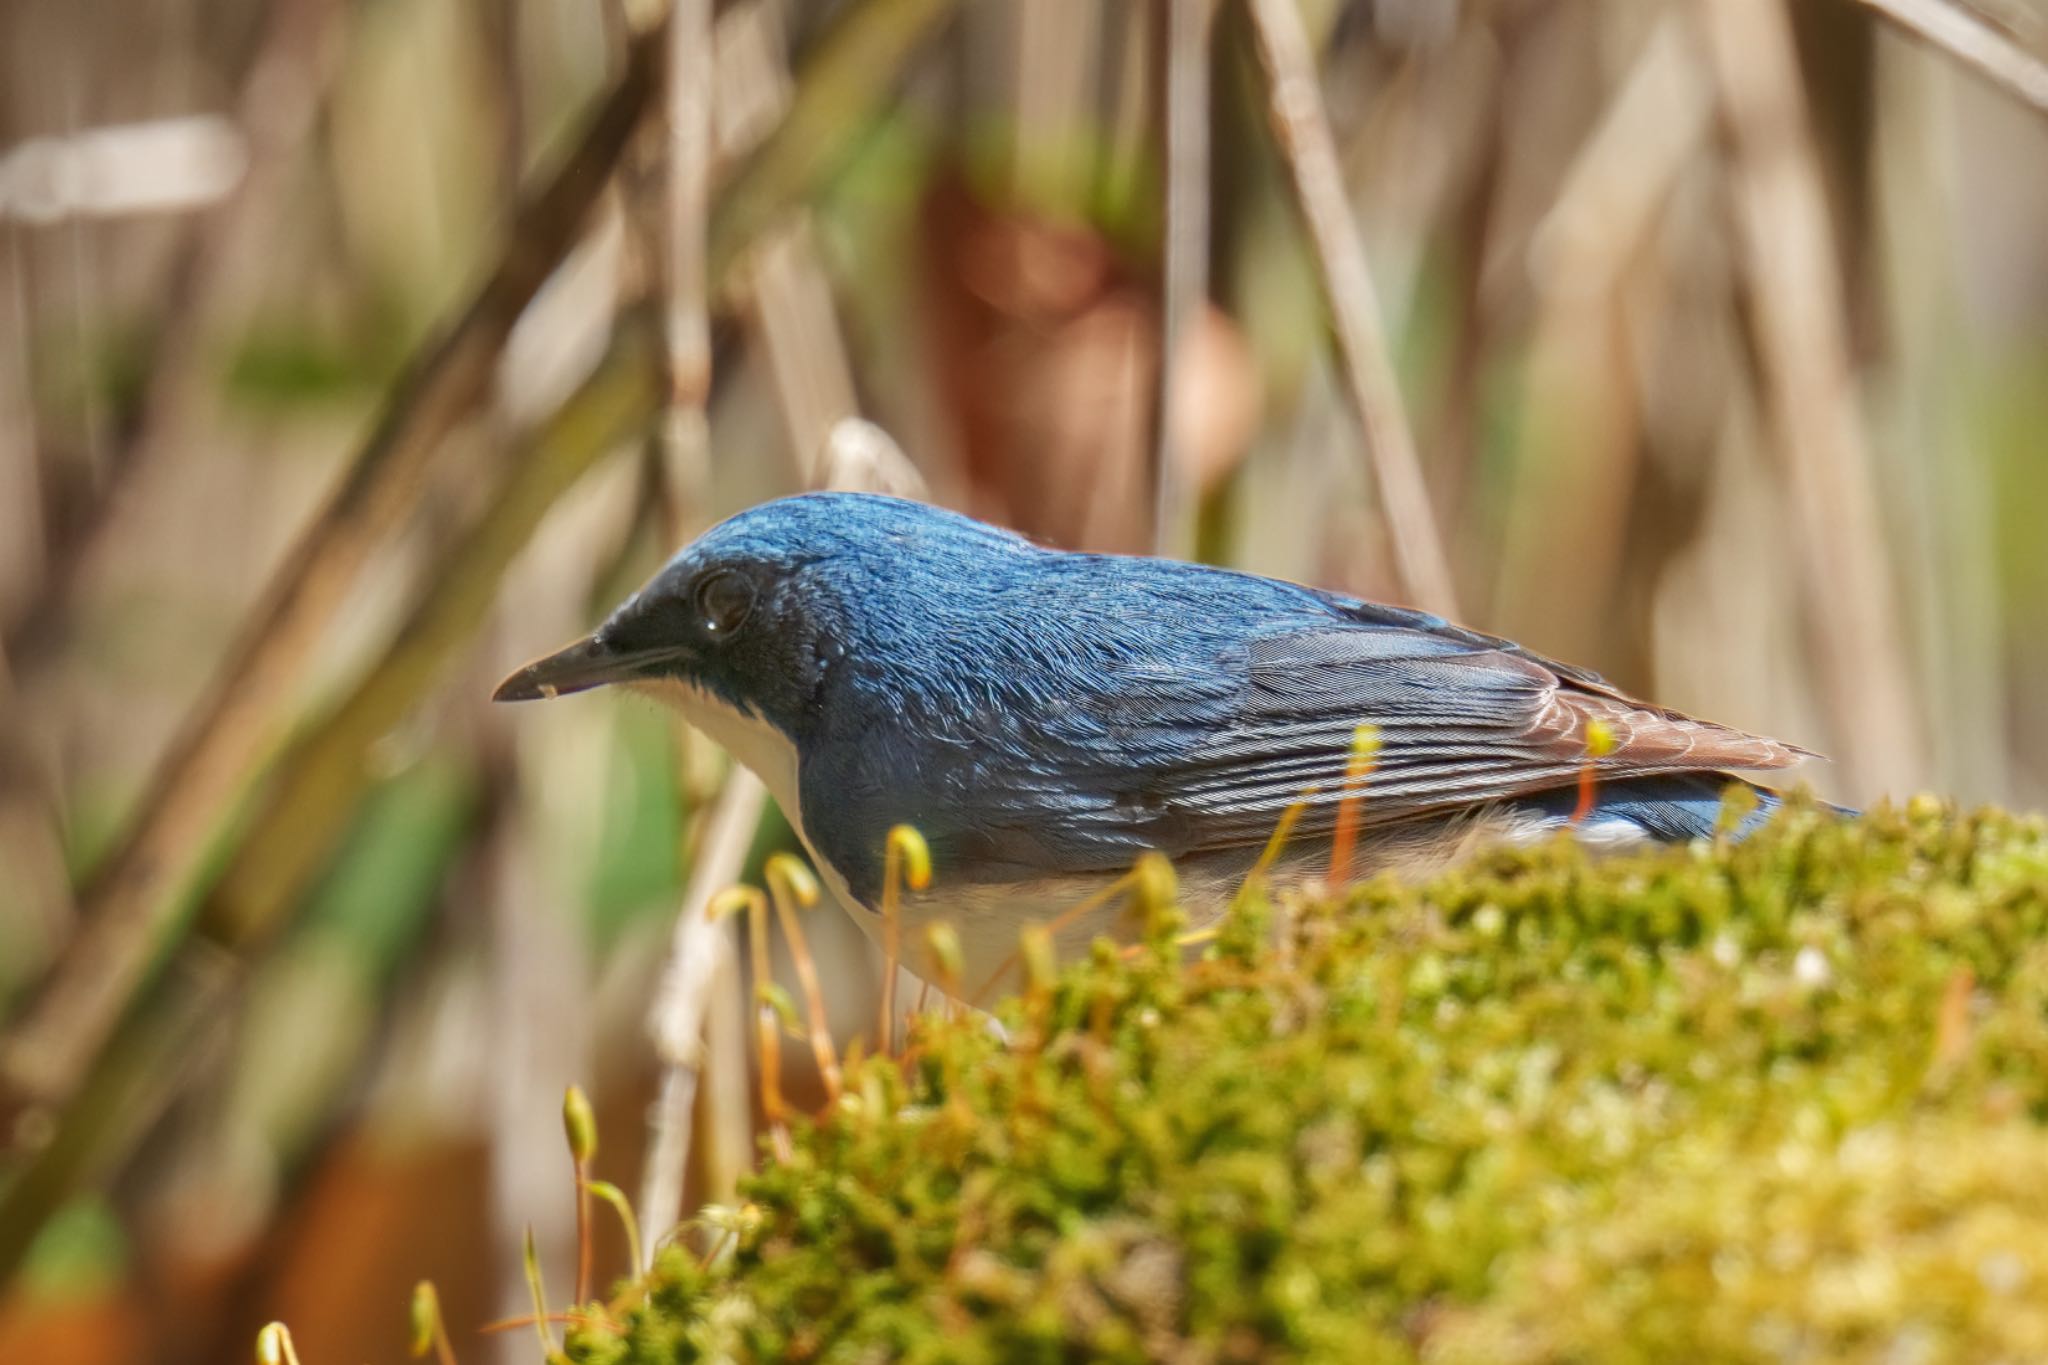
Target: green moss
{"x":1782,"y":1100}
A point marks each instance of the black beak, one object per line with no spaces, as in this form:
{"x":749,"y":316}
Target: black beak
{"x":586,"y":664}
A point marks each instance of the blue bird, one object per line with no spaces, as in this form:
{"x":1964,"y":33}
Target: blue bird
{"x":1045,"y":717}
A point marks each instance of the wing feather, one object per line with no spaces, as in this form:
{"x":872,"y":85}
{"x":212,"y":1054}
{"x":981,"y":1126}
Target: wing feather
{"x":1464,"y":719}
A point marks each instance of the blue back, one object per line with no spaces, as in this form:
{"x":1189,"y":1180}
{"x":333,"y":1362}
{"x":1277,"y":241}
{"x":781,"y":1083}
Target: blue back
{"x":1042,"y":713}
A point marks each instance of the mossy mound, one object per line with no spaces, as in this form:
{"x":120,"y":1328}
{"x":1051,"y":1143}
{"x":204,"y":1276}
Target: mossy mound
{"x":1782,"y":1100}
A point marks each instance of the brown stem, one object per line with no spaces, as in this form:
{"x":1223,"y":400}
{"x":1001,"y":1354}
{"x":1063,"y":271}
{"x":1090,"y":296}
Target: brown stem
{"x":1185,"y":115}
{"x":318,"y":781}
{"x":1953,"y":29}
{"x":274,"y":111}
{"x":221,"y":741}
{"x":1301,"y":132}
{"x":853,"y":68}
{"x":700,"y":952}
{"x":1795,"y":291}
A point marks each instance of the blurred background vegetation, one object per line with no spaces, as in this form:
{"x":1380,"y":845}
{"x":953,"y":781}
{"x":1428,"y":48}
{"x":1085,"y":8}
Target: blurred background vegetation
{"x":354,"y":351}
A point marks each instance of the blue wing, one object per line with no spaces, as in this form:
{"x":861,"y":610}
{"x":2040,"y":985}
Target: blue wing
{"x":1464,"y":720}
{"x":1189,"y":718}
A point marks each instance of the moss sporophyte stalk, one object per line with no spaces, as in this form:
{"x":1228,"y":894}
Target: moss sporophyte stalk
{"x":1775,"y":1100}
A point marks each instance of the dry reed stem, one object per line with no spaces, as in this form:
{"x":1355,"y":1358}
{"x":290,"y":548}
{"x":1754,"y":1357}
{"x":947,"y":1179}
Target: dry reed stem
{"x":861,"y":457}
{"x":1054,"y":49}
{"x":1796,"y":297}
{"x":1581,"y":439}
{"x":700,"y":952}
{"x":1301,"y":131}
{"x":1185,"y":113}
{"x":318,"y":780}
{"x":275,"y":110}
{"x":1974,"y":42}
{"x":789,"y":298}
{"x":222,"y":739}
{"x":791,"y":307}
{"x":1624,"y":173}
{"x":852,"y":68}
{"x":687,"y":319}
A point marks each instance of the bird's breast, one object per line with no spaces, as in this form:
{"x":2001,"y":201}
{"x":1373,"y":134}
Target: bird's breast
{"x":988,"y":915}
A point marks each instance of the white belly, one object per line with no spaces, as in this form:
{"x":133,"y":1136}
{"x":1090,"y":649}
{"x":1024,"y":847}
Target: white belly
{"x":988,"y":917}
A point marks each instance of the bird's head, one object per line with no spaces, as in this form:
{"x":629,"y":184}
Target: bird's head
{"x":758,"y":612}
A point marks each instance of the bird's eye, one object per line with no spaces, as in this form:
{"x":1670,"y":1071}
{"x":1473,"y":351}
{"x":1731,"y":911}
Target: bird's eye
{"x":723,"y":600}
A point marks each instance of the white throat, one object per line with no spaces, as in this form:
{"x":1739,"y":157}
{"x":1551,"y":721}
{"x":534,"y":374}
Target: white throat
{"x":748,"y":738}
